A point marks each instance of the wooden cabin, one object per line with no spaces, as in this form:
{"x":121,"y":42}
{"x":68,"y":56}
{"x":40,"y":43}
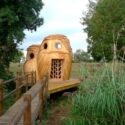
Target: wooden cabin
{"x":32,"y":52}
{"x":55,"y":57}
{"x":31,"y":58}
{"x":52,"y":57}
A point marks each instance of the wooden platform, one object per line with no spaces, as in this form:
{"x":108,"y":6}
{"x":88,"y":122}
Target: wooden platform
{"x":57,"y":86}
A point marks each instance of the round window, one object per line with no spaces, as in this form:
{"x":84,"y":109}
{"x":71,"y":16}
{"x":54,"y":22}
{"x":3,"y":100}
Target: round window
{"x":31,"y":55}
{"x":45,"y":45}
{"x":58,"y":45}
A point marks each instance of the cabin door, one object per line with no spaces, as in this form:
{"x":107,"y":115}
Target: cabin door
{"x":56,"y":69}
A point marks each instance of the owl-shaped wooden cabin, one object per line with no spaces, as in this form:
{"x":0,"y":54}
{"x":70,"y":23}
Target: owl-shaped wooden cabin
{"x":31,"y":60}
{"x":55,"y":58}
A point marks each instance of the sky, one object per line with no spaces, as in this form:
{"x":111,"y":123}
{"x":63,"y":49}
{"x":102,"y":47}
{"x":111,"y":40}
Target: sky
{"x":60,"y":17}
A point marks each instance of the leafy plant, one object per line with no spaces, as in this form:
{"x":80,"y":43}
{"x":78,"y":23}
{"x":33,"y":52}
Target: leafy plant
{"x":15,"y":17}
{"x":104,"y":24}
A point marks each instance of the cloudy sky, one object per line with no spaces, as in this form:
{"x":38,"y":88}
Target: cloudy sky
{"x":60,"y":17}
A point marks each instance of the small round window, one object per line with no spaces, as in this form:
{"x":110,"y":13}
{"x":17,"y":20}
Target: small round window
{"x":45,"y":45}
{"x":58,"y":45}
{"x":31,"y":55}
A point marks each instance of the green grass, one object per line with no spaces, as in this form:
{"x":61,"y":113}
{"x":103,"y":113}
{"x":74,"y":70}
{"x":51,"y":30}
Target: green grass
{"x":8,"y":102}
{"x":53,"y":110}
{"x":100,"y":99}
{"x":75,"y":71}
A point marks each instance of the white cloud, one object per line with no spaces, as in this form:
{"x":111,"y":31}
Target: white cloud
{"x":25,"y":53}
{"x":78,"y":41}
{"x":61,"y":25}
{"x":60,"y":17}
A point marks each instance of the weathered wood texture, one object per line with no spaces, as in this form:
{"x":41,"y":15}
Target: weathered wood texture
{"x":57,"y":86}
{"x":53,"y":56}
{"x":32,"y":51}
{"x":27,"y":108}
{"x":27,"y":111}
{"x":31,"y":64}
{"x":55,"y":47}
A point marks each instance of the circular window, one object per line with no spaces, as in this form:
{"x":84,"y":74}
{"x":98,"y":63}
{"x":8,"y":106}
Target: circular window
{"x":31,"y":55}
{"x":58,"y":45}
{"x":45,"y":45}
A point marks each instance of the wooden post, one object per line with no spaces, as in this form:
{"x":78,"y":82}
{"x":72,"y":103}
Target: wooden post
{"x":41,"y":97}
{"x":27,"y":113}
{"x":32,"y":78}
{"x":35,"y":77}
{"x":20,"y":79}
{"x":26,"y":78}
{"x":17,"y":87}
{"x":1,"y":97}
{"x":44,"y":89}
{"x":46,"y":86}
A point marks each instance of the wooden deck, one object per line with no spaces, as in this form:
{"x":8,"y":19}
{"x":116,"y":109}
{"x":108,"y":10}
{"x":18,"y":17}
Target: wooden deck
{"x":57,"y":86}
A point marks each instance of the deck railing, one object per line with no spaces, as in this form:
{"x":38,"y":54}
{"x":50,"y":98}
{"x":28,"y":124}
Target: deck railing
{"x":39,"y":90}
{"x":30,"y":105}
{"x":20,"y":81}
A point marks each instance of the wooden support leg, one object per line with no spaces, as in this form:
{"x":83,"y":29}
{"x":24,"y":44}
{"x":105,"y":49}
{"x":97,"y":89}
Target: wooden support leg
{"x":27,"y":113}
{"x":42,"y":103}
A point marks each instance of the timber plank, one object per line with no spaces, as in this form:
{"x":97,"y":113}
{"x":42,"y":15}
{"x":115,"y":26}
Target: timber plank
{"x":13,"y":110}
{"x":57,"y":86}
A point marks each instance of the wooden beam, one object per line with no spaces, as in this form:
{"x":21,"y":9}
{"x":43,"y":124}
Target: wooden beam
{"x":27,"y":113}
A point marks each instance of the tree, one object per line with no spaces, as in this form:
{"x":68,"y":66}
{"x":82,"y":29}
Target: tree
{"x":15,"y":17}
{"x":104,"y":24}
{"x":18,"y":56}
{"x":81,"y":56}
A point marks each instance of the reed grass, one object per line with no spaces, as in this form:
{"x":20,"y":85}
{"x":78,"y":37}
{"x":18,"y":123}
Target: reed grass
{"x":100,"y":99}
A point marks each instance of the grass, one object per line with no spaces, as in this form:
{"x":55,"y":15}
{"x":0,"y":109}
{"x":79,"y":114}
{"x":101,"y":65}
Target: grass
{"x":8,"y":102}
{"x":16,"y":67}
{"x":75,"y":71}
{"x":55,"y":110}
{"x":100,"y":99}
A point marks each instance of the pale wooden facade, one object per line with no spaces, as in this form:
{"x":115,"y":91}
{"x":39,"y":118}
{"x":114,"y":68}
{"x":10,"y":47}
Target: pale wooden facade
{"x":31,"y":64}
{"x":53,"y":56}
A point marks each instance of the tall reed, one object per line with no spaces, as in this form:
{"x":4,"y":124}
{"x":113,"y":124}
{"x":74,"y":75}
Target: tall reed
{"x":100,"y":99}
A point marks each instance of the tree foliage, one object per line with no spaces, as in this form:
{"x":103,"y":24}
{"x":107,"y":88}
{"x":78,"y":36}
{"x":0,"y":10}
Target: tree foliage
{"x":104,"y":24}
{"x":81,"y":56}
{"x":15,"y":17}
{"x":18,"y":56}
